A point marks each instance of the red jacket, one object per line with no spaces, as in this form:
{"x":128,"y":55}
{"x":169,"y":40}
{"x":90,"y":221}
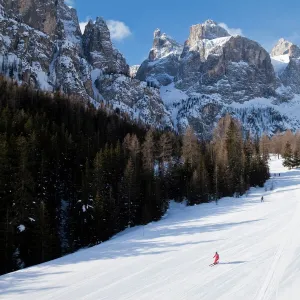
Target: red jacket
{"x":216,"y":257}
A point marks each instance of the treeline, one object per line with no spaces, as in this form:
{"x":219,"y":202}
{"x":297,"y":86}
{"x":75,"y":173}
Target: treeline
{"x":72,"y":176}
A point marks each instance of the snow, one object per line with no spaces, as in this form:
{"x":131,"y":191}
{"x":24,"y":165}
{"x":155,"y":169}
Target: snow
{"x":133,"y":70}
{"x":258,"y":243}
{"x":291,"y":109}
{"x":21,"y":228}
{"x":94,"y":76}
{"x":41,"y":77}
{"x":280,"y":62}
{"x":170,"y":94}
{"x":169,"y":47}
{"x":210,"y":46}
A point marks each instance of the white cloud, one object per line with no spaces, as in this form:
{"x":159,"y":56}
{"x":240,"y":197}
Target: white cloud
{"x":118,"y":30}
{"x":70,"y":2}
{"x":231,"y":31}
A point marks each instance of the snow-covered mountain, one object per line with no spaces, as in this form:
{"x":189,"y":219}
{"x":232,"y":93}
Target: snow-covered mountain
{"x":41,"y":44}
{"x":214,"y":71}
{"x":289,"y":72}
{"x":177,"y":85}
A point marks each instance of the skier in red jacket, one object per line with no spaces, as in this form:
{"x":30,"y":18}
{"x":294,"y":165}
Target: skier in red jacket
{"x":216,"y":257}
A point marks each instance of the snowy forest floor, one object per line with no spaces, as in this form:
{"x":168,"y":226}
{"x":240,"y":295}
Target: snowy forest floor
{"x":258,"y":243}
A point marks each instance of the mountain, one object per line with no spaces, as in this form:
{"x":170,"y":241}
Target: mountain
{"x":194,"y":83}
{"x":41,"y":44}
{"x":211,"y":61}
{"x":215,"y":73}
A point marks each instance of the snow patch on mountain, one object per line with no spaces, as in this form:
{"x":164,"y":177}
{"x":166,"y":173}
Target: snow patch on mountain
{"x":280,"y":63}
{"x":133,"y":70}
{"x":210,"y":46}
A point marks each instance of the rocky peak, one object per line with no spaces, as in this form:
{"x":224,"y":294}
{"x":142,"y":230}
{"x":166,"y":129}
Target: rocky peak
{"x":163,"y":45}
{"x":284,"y":47}
{"x":99,"y":50}
{"x":208,"y":30}
{"x":157,"y":33}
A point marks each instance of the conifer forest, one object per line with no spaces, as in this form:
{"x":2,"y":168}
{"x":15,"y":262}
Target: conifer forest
{"x":72,"y":175}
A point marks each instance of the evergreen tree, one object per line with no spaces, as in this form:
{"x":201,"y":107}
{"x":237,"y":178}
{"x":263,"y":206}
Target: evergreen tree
{"x":288,"y":156}
{"x":296,"y":159}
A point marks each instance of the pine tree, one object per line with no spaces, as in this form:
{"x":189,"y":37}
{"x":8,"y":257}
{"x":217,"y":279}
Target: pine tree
{"x":296,"y":159}
{"x":234,"y":148}
{"x":148,"y":151}
{"x":288,"y":156}
{"x":190,"y":148}
{"x":99,"y":202}
{"x":130,"y":201}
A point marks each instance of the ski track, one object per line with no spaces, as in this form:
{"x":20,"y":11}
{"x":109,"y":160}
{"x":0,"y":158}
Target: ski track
{"x":258,"y":245}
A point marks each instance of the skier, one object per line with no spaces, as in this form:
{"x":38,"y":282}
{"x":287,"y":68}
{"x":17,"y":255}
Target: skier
{"x":216,"y":257}
{"x":262,"y":199}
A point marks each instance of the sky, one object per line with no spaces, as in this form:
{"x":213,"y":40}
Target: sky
{"x":132,"y":22}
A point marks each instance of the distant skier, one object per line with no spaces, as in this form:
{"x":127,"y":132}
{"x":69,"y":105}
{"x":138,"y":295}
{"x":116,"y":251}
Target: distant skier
{"x":216,"y":257}
{"x":262,"y":199}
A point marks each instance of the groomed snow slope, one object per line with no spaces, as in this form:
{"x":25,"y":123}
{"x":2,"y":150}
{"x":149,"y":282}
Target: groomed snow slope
{"x":258,"y":243}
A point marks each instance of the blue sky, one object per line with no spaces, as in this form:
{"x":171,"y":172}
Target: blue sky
{"x":133,"y":21}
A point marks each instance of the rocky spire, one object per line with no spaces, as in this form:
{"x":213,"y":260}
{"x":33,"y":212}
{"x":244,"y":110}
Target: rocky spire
{"x":284,"y":47}
{"x":163,"y":45}
{"x":157,"y":33}
{"x":99,"y":50}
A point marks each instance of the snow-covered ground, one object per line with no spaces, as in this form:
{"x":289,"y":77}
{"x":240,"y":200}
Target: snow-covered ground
{"x":258,"y":243}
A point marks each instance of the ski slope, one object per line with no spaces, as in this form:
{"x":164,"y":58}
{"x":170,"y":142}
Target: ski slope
{"x":258,"y":243}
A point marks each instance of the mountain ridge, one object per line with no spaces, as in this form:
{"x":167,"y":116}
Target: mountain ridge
{"x":49,"y":52}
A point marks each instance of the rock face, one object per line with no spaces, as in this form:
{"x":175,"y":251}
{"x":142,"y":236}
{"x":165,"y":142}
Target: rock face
{"x":136,"y":98}
{"x":40,"y":15}
{"x":43,"y":38}
{"x":209,"y":30}
{"x":41,"y":44}
{"x":98,"y":49}
{"x":163,"y":46}
{"x":163,"y":62}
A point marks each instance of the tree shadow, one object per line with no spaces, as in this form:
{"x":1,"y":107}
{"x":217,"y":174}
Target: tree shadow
{"x":15,"y":283}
